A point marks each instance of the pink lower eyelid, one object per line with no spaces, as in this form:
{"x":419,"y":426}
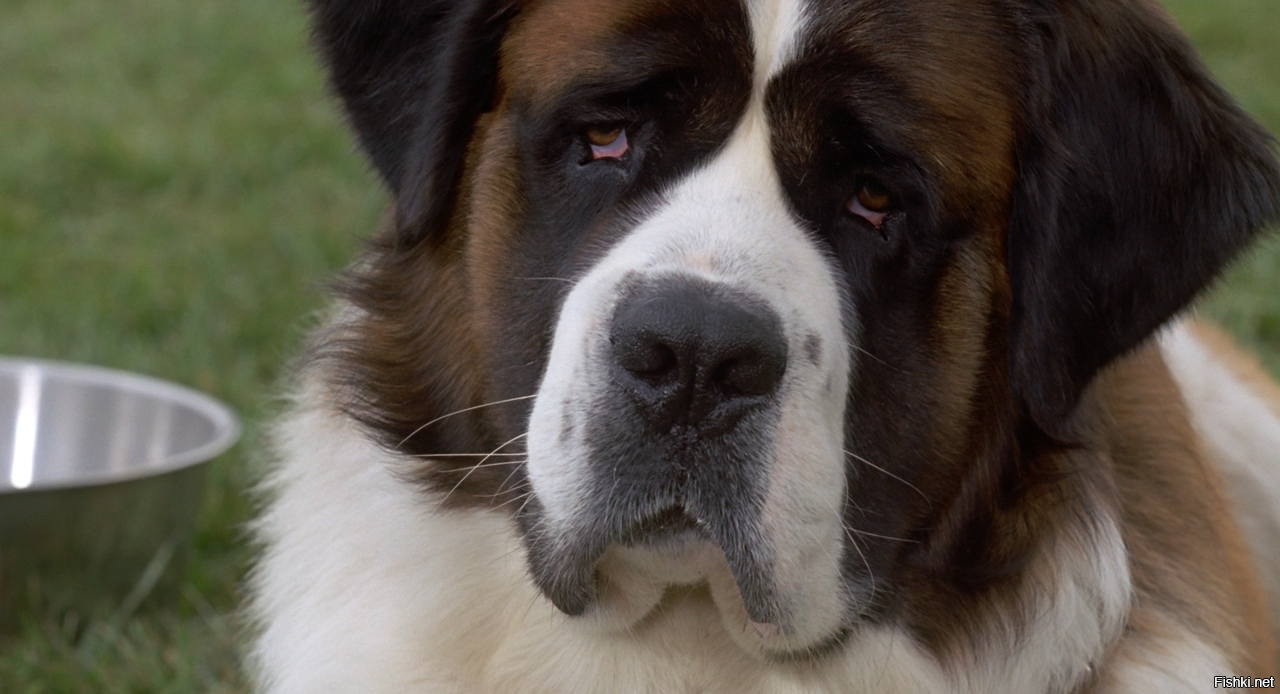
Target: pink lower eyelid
{"x":613,"y":150}
{"x":876,"y":218}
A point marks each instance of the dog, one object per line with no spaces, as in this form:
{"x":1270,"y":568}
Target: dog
{"x":778,"y":346}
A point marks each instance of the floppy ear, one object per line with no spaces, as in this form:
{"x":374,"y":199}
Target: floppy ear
{"x":414,"y":76}
{"x":1139,"y":180}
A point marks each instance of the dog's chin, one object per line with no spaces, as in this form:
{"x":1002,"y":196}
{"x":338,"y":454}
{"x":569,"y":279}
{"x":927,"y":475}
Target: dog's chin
{"x":634,"y":579}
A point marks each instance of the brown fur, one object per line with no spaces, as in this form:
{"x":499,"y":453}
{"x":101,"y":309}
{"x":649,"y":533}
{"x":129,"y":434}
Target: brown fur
{"x":962,"y":117}
{"x":557,"y":43}
{"x":1174,"y":507}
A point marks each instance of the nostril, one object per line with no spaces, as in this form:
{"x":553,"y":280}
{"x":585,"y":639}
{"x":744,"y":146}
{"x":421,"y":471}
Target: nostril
{"x":647,"y":358}
{"x":751,"y":375}
{"x":726,"y":378}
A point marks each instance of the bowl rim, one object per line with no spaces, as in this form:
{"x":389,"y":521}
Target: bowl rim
{"x":226,"y":425}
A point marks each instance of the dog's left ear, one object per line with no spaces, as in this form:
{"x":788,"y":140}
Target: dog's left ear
{"x":414,"y":75}
{"x":1139,"y":180}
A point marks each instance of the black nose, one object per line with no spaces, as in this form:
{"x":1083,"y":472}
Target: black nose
{"x":694,"y":353}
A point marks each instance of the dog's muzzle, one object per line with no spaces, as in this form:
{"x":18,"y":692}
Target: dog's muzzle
{"x":676,"y":438}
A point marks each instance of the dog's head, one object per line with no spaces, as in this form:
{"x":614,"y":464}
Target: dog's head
{"x":772,"y":295}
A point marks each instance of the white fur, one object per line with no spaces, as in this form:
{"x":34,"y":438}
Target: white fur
{"x":726,"y":223}
{"x":1184,"y":665}
{"x":1083,"y":591}
{"x":366,"y":587}
{"x":1242,"y":435}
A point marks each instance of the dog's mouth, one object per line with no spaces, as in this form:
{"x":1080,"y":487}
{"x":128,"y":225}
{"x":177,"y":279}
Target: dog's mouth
{"x":566,"y":564}
{"x":613,"y":573}
{"x":668,"y":528}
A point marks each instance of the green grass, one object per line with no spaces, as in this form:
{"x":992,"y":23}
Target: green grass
{"x":1240,"y":40}
{"x":175,"y":187}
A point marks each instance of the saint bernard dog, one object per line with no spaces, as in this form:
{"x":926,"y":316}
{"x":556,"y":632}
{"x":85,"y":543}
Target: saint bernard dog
{"x":769,"y":346}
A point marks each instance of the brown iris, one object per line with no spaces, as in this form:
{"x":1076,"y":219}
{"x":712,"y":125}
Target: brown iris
{"x":874,"y":198}
{"x":872,"y":203}
{"x":603,"y":136}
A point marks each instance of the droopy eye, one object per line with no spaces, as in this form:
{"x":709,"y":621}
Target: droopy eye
{"x":871,"y":202}
{"x":607,"y":141}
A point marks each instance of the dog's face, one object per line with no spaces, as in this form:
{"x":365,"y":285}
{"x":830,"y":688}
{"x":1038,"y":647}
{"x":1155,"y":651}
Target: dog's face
{"x":747,"y":212}
{"x":771,"y":295}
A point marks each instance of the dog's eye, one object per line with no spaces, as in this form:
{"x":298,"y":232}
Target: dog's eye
{"x":871,"y":202}
{"x":607,"y":141}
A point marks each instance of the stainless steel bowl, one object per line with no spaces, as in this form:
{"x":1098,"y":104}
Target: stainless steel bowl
{"x":101,"y":478}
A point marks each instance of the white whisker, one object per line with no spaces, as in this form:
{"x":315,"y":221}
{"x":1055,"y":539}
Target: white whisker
{"x":870,"y":574}
{"x":869,"y":354}
{"x":528,"y":497}
{"x":505,"y":480}
{"x":881,"y":537}
{"x":546,"y":279}
{"x":465,"y":409}
{"x":872,"y":465}
{"x":496,"y":463}
{"x":472,"y":469}
{"x":463,"y":455}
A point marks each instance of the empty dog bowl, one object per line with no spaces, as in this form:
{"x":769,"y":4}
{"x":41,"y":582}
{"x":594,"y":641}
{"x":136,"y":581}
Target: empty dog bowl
{"x":101,"y":477}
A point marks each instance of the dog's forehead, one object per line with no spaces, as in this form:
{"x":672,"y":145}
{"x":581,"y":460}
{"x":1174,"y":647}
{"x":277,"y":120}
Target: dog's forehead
{"x":556,"y":42}
{"x":936,"y":77}
{"x":556,"y":45}
{"x":947,"y":45}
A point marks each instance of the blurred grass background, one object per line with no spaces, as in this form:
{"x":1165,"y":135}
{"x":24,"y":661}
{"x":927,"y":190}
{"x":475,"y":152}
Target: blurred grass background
{"x":176,"y":187}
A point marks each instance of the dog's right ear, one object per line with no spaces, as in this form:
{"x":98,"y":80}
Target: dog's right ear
{"x":1139,"y":180}
{"x":414,"y":75}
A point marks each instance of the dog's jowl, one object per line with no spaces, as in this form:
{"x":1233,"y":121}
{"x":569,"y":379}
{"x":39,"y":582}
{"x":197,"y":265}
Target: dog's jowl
{"x":778,"y":346}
